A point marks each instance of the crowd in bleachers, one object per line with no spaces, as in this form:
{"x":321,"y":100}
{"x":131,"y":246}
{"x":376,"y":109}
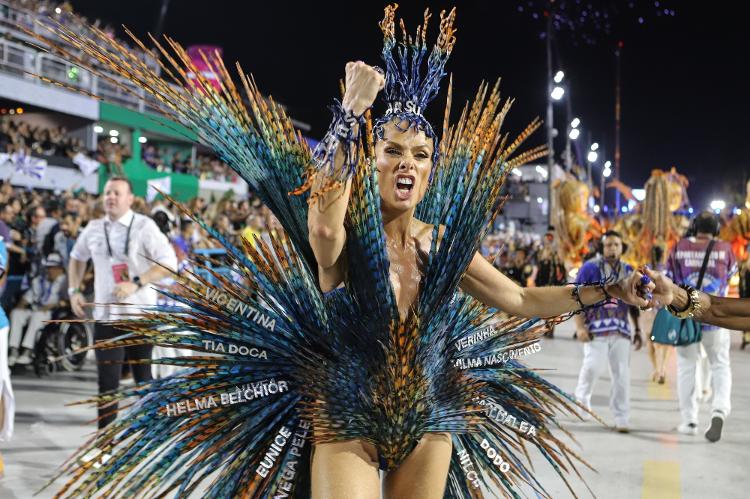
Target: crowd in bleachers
{"x":20,"y":137}
{"x":17,"y":136}
{"x":205,"y":166}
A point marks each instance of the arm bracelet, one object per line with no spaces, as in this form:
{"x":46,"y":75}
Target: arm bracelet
{"x":693,"y":307}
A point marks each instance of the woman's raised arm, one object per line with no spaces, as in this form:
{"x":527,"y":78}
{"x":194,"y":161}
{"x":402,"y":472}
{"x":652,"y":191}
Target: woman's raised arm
{"x":325,"y":216}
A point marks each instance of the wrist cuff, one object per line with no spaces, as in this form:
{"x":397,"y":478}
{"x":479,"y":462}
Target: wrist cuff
{"x":344,"y":132}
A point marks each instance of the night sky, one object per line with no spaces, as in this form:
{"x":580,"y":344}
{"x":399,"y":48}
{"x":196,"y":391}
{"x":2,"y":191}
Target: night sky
{"x":684,"y":102}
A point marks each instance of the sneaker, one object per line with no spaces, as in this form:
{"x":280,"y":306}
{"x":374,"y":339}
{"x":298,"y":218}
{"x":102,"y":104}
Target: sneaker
{"x":12,"y":356}
{"x":713,"y":432}
{"x":100,"y":458}
{"x":688,"y":429}
{"x":25,"y":358}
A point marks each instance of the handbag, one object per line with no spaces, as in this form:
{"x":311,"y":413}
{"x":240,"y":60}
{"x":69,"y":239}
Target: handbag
{"x":669,"y":330}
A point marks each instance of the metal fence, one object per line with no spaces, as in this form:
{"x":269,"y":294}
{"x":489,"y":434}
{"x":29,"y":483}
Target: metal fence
{"x":211,"y":259}
{"x":19,"y":57}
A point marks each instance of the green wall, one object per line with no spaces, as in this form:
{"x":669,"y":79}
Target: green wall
{"x":184,"y":187}
{"x":145,"y":121}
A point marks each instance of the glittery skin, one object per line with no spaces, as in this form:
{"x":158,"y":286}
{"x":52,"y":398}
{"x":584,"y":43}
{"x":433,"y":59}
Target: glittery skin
{"x":406,"y":271}
{"x":378,"y":360}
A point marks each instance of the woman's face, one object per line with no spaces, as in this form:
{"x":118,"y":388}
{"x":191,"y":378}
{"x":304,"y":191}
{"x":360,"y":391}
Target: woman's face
{"x":404,"y":162}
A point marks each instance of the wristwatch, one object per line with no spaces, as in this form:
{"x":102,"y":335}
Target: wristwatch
{"x":73,"y":291}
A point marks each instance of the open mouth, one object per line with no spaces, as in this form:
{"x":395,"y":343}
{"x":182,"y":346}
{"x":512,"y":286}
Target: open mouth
{"x":404,"y":186}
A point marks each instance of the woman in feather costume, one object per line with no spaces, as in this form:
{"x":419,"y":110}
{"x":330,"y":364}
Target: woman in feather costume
{"x":368,"y":330}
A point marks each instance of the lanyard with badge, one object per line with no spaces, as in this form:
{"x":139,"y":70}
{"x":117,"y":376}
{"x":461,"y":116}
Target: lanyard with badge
{"x":119,"y":270}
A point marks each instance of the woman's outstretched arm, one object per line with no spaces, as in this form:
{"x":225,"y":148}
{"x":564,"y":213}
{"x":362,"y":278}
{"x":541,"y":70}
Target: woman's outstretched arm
{"x":488,"y":285}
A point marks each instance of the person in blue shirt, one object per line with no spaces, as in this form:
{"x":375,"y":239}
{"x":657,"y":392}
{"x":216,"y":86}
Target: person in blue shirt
{"x":7,"y":404}
{"x":606,"y":333}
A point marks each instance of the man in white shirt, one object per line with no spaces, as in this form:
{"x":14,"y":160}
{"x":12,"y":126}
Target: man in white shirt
{"x":35,"y":307}
{"x":129,"y":253}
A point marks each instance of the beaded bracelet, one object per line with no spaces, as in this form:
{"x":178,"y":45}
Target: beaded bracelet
{"x":576,"y":293}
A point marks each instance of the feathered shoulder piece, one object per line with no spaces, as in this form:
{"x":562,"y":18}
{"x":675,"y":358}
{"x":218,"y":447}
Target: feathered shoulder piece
{"x":408,"y":90}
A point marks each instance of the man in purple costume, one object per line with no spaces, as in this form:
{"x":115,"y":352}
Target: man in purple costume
{"x":606,"y":333}
{"x":684,"y":265}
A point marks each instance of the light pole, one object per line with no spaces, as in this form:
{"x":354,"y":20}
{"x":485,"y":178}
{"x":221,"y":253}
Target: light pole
{"x":573,"y":133}
{"x":591,"y":158}
{"x":618,"y":51}
{"x":606,"y":172}
{"x":550,"y":116}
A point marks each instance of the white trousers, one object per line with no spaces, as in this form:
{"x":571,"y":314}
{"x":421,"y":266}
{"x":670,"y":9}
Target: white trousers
{"x":7,"y":401}
{"x":19,"y":317}
{"x":717,"y":344}
{"x":614,"y":348}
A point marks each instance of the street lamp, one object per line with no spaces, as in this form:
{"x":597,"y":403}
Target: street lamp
{"x":594,"y":146}
{"x":718,"y":204}
{"x":575,"y":123}
{"x":559,"y":77}
{"x":574,"y":133}
{"x":557,"y":92}
{"x":592,"y":156}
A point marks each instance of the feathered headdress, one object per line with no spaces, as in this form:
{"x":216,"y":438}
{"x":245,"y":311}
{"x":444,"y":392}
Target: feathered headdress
{"x":407,"y":92}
